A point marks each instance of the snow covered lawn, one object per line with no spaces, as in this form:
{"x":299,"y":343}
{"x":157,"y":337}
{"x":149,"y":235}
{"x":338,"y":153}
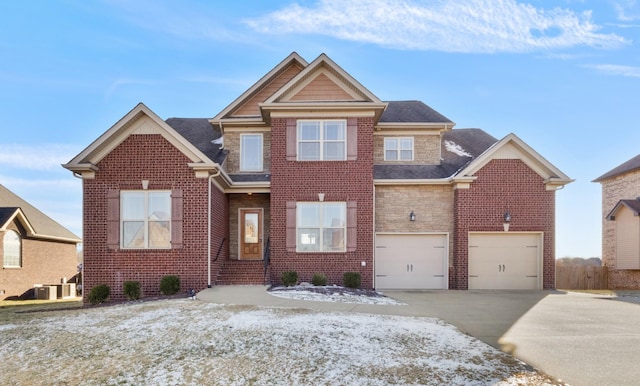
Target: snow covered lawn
{"x":182,"y":341}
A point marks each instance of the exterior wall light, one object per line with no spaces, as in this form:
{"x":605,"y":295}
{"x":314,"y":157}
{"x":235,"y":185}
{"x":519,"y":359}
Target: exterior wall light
{"x":507,"y":220}
{"x":412,"y":216}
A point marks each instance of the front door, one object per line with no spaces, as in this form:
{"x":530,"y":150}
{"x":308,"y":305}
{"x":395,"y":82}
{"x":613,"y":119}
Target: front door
{"x":250,"y":234}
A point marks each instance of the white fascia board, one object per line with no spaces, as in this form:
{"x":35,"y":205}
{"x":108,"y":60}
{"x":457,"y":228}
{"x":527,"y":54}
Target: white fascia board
{"x":434,"y":181}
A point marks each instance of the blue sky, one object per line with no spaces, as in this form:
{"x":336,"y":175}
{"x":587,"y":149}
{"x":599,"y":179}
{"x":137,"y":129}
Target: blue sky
{"x":563,"y":75}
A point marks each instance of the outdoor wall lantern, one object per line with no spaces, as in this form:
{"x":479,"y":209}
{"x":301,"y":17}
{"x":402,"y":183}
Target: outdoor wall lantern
{"x":145,"y":184}
{"x":507,"y":220}
{"x":412,"y":216}
{"x":320,"y":197}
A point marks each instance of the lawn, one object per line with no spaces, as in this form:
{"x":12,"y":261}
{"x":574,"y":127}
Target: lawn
{"x":190,"y":342}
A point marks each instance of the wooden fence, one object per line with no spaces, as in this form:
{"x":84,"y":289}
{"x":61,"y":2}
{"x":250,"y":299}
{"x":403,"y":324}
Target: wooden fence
{"x":582,"y":277}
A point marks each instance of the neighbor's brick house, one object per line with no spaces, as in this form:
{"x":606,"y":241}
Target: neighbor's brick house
{"x":621,"y":224}
{"x":309,"y":171}
{"x":35,"y":249}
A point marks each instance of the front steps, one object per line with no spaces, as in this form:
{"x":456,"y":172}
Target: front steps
{"x":243,"y":272}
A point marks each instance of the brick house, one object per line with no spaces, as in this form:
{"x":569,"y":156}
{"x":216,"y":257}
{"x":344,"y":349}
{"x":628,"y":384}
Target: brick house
{"x":309,"y":171}
{"x":620,"y":224}
{"x":35,"y":249}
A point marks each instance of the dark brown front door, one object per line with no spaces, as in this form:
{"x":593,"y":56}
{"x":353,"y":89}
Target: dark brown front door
{"x":250,"y":233}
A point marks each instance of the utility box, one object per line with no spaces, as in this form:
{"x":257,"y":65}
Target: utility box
{"x":45,"y":292}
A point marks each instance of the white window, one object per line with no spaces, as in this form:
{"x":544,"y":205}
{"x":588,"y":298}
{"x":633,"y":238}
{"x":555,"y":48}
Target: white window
{"x":321,"y":227}
{"x":398,"y":149}
{"x":322,"y":140}
{"x":145,"y":217}
{"x":12,"y":250}
{"x":251,"y":152}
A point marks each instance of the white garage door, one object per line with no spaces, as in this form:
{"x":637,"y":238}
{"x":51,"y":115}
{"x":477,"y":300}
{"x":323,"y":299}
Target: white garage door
{"x":411,"y":261}
{"x":505,"y":260}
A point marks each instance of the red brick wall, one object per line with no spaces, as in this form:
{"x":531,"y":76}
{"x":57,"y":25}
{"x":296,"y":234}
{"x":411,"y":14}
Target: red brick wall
{"x":503,"y":184}
{"x":150,"y":157}
{"x":43,"y":262}
{"x":339,"y":181}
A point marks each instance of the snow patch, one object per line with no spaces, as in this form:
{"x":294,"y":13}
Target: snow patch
{"x":456,"y":149}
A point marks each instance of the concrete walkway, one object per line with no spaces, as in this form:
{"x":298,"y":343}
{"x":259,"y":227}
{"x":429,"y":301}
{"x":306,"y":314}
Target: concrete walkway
{"x":579,"y":338}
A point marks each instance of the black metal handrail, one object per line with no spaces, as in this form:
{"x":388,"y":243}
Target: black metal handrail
{"x":266,"y":257}
{"x":219,"y":249}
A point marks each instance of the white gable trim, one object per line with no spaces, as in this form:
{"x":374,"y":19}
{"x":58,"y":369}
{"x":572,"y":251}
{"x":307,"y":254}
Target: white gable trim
{"x":512,"y":147}
{"x":317,"y":65}
{"x":22,"y":219}
{"x":140,"y":120}
{"x":293,"y":57}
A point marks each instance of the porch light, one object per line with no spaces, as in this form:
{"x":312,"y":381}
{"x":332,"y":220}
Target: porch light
{"x":507,"y":220}
{"x":320,"y":197}
{"x":412,"y":216}
{"x":145,"y":184}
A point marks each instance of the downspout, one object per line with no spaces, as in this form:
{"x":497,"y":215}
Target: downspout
{"x":210,"y":182}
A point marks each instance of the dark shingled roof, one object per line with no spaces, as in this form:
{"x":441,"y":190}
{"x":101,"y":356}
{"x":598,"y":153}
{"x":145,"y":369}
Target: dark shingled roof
{"x":632,"y":164}
{"x":201,"y":134}
{"x":411,"y":111}
{"x":250,"y":177}
{"x":43,"y":225}
{"x":470,"y":143}
{"x":634,"y":205}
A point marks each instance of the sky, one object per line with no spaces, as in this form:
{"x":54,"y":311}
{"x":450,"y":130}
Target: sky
{"x":562,"y":75}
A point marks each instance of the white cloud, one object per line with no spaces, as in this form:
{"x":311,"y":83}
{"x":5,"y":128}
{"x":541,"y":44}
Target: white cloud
{"x":36,"y":157}
{"x":615,"y":69}
{"x":627,"y":10}
{"x":477,"y":26}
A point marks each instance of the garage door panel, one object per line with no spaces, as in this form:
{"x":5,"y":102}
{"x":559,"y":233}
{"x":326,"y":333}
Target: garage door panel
{"x":504,"y":261}
{"x":411,"y":262}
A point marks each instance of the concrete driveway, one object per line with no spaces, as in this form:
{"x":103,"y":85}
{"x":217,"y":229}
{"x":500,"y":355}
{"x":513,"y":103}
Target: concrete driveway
{"x":582,"y":339}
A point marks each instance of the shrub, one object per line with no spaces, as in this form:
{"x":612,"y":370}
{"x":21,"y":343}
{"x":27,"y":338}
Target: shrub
{"x":289,"y":278}
{"x":132,"y":290}
{"x":351,"y":279}
{"x":319,"y":279}
{"x":99,"y":294}
{"x":169,"y":285}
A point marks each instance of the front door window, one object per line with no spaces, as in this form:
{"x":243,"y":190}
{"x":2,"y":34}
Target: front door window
{"x":251,"y":233}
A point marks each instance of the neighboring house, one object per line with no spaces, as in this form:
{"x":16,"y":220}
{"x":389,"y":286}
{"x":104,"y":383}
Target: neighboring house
{"x":621,"y":224}
{"x":309,"y":171}
{"x":35,"y":249}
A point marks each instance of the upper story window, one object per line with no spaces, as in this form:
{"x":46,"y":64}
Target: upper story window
{"x":398,"y":149}
{"x":12,"y":250}
{"x":251,"y":152}
{"x":321,"y":226}
{"x":322,"y":140}
{"x":145,"y":219}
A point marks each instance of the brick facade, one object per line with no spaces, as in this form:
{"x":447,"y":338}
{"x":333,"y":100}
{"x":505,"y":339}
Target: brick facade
{"x":622,"y":187}
{"x":150,"y":157}
{"x":339,"y":181}
{"x":501,"y":185}
{"x":43,"y":262}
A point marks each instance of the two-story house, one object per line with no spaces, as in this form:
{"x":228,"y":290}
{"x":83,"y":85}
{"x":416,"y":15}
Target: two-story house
{"x":309,"y":171}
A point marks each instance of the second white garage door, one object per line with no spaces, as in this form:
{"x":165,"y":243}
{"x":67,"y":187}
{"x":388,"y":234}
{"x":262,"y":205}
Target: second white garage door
{"x":406,"y":261}
{"x":505,"y":260}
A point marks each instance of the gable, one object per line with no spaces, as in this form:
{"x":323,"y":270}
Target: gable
{"x":140,"y":120}
{"x":512,"y":147}
{"x":251,"y":106}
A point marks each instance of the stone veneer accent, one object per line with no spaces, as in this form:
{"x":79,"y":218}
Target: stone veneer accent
{"x":432,"y":205}
{"x":622,"y":187}
{"x":232,"y":143}
{"x":339,"y":181}
{"x":150,"y":157}
{"x":503,"y":184}
{"x":426,"y":149}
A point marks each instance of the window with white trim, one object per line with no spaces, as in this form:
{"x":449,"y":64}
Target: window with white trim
{"x":251,"y":152}
{"x":322,"y":140}
{"x":12,"y":250}
{"x":321,"y":226}
{"x":398,"y":149}
{"x":145,"y":219}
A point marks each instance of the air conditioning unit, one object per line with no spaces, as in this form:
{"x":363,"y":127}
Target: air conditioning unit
{"x":45,"y":292}
{"x":66,"y":290}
